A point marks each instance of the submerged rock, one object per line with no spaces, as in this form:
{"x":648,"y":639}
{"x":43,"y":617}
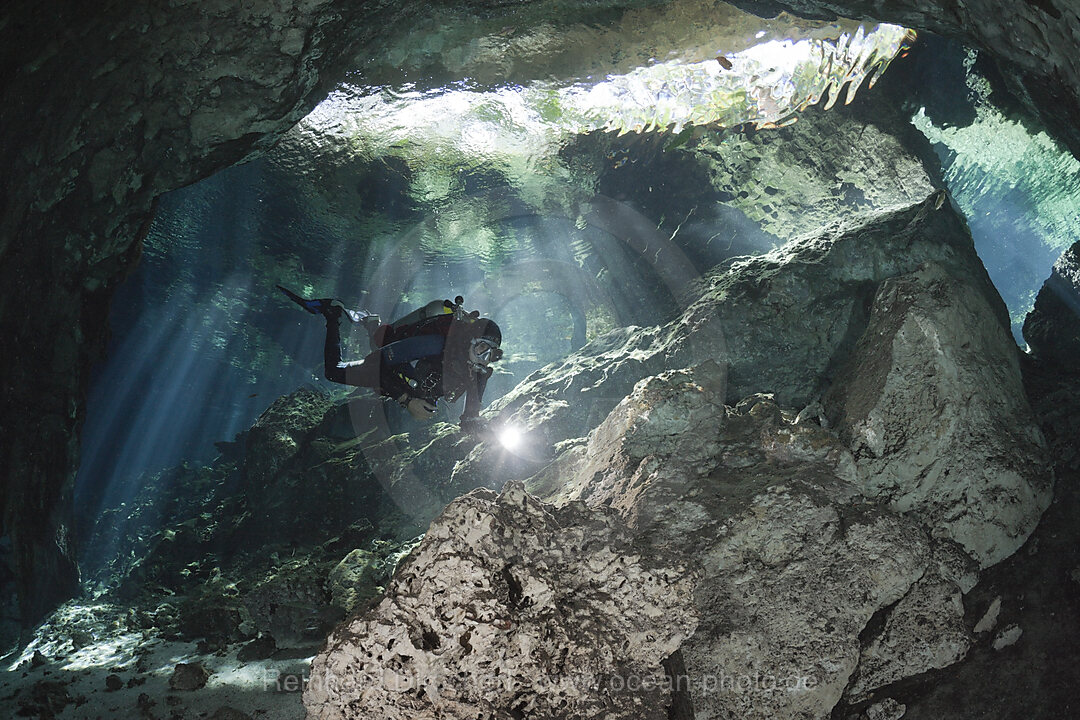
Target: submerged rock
{"x":136,"y":130}
{"x":840,"y":162}
{"x":513,"y":608}
{"x":228,"y":713}
{"x":291,"y":604}
{"x":924,"y":631}
{"x":1034,"y":589}
{"x":1052,"y":328}
{"x":928,"y":436}
{"x":44,"y":699}
{"x":795,"y":563}
{"x":258,"y":649}
{"x":789,"y":317}
{"x":819,"y":577}
{"x":279,"y":432}
{"x":887,"y":709}
{"x":354,"y":580}
{"x":829,"y":568}
{"x":188,"y":676}
{"x":1007,"y":637}
{"x":807,"y":590}
{"x":989,"y":619}
{"x":780,"y":321}
{"x":247,"y":545}
{"x":214,"y":612}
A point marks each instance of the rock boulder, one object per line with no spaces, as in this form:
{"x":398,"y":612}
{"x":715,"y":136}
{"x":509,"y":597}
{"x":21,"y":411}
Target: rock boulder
{"x":780,"y":323}
{"x":513,"y":608}
{"x":933,"y":408}
{"x":1052,"y":329}
{"x":795,"y":562}
{"x":777,"y":320}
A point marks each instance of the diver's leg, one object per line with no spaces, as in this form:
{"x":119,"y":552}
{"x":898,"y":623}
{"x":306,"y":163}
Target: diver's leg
{"x":380,"y":369}
{"x":362,"y":373}
{"x":332,"y":351}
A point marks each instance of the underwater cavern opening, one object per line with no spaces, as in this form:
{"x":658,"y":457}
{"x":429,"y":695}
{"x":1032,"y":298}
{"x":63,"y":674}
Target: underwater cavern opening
{"x":697,"y":237}
{"x":387,"y":197}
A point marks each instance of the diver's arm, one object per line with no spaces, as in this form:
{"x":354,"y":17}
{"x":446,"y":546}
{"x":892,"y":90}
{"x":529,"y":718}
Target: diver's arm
{"x":393,"y":385}
{"x":395,"y":359}
{"x":474,"y":397}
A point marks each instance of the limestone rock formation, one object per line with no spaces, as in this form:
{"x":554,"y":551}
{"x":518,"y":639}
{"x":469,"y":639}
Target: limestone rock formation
{"x":821,"y":583}
{"x":45,"y":698}
{"x":228,"y":713}
{"x":795,"y":566}
{"x":780,"y":322}
{"x":104,"y":111}
{"x":1052,"y":329}
{"x":283,"y":535}
{"x":887,"y":709}
{"x":1032,"y":42}
{"x":814,"y":587}
{"x":923,"y":632}
{"x":513,"y":608}
{"x":1029,"y":598}
{"x":353,"y":580}
{"x":188,"y":676}
{"x":795,"y":562}
{"x":278,"y":433}
{"x":362,"y":574}
{"x":291,"y":604}
{"x":927,"y":437}
{"x":840,"y":162}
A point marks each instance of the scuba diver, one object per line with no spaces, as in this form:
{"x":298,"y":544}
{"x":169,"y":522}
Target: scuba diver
{"x":437,"y":351}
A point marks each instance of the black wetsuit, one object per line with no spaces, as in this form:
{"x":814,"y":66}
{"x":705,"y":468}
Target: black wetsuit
{"x":433,"y":353}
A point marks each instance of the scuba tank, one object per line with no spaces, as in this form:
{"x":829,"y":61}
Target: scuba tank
{"x":433,"y":309}
{"x":393,"y":331}
{"x":415,"y":322}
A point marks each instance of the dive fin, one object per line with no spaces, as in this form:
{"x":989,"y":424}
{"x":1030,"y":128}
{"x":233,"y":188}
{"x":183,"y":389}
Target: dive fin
{"x":354,"y":316}
{"x":312,"y":306}
{"x":316,"y":307}
{"x":326,"y":306}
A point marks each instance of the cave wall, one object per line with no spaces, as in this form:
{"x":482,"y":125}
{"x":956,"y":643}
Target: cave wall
{"x":105,"y":107}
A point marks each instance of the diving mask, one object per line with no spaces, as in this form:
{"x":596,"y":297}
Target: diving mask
{"x":482,"y":351}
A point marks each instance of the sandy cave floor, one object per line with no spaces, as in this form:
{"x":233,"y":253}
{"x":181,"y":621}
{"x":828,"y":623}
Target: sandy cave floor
{"x":62,"y":673}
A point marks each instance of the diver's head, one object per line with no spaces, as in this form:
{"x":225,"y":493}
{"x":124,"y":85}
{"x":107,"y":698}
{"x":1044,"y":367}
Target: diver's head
{"x":484,"y":348}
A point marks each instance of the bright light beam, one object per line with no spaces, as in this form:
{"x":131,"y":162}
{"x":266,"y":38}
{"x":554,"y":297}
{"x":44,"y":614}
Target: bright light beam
{"x":510,"y":438}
